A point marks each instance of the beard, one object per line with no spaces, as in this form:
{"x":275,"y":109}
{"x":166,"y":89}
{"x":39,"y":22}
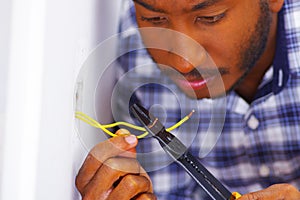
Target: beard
{"x":251,"y":49}
{"x":255,"y":46}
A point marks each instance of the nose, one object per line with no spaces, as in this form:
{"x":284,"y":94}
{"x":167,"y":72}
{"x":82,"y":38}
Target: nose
{"x":185,"y":52}
{"x":180,"y":63}
{"x":174,"y":47}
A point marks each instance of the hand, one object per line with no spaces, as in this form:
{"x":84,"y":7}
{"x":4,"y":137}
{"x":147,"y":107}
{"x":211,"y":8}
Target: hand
{"x":111,"y":172}
{"x":274,"y":192}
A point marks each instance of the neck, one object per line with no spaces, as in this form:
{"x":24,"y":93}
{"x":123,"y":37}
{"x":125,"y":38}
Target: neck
{"x":248,"y":87}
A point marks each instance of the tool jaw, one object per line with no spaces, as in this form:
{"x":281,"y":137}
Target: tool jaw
{"x":151,"y":123}
{"x":174,"y":147}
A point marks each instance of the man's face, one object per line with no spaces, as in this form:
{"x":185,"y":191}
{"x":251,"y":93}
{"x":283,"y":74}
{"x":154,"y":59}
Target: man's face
{"x":232,"y":32}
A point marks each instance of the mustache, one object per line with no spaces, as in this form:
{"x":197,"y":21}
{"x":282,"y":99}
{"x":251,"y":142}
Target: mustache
{"x":203,"y":72}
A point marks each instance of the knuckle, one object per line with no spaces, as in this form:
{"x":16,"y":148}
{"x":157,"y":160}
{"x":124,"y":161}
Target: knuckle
{"x":130,"y":182}
{"x":112,"y":163}
{"x":250,"y":196}
{"x":146,"y":196}
{"x":123,"y":165}
{"x":135,"y":183}
{"x":79,"y":184}
{"x":151,"y":197}
{"x":86,"y":196}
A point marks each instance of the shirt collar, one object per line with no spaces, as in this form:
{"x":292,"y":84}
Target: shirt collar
{"x":281,"y":67}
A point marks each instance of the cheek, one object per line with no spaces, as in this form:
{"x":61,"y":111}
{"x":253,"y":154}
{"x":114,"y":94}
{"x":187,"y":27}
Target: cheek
{"x":225,"y":48}
{"x":224,"y":53}
{"x":224,"y":42}
{"x":159,"y":56}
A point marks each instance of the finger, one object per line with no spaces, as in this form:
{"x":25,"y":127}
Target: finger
{"x":131,"y":152}
{"x":122,"y":131}
{"x":87,"y":171}
{"x":144,"y":173}
{"x":113,"y":147}
{"x":274,"y":192}
{"x":100,"y":153}
{"x":146,"y":196}
{"x":110,"y":173}
{"x":129,"y":187}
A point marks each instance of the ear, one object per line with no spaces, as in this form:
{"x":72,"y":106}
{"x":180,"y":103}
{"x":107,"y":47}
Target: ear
{"x":275,"y":5}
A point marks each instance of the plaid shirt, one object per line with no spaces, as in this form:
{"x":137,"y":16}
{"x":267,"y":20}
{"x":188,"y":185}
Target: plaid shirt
{"x":248,"y":147}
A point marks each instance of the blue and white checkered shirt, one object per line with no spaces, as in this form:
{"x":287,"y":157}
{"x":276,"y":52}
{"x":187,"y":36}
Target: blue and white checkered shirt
{"x":248,"y":147}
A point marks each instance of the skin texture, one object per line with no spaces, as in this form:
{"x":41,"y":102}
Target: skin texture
{"x":239,"y":36}
{"x":238,"y":42}
{"x":274,"y":192}
{"x":110,"y":171}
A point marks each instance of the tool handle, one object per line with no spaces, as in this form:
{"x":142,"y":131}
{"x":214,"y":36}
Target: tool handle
{"x":235,"y":195}
{"x":204,"y":178}
{"x":212,"y":186}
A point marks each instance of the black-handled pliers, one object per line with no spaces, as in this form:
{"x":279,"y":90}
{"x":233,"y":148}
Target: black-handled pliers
{"x":179,"y":152}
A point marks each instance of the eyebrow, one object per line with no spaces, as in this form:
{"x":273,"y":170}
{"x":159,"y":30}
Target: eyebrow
{"x":199,"y":6}
{"x":148,"y":6}
{"x":205,"y":4}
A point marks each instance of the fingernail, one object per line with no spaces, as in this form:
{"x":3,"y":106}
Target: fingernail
{"x":123,"y":132}
{"x":130,"y":139}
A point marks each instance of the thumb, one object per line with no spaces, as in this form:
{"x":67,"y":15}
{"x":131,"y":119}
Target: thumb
{"x":130,"y":152}
{"x":113,"y":147}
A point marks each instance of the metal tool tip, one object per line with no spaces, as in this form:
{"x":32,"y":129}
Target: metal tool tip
{"x":141,"y":113}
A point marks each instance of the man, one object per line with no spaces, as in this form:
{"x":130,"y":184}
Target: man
{"x":254,"y":45}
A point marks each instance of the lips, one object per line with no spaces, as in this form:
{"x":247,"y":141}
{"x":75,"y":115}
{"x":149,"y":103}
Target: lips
{"x":197,"y":79}
{"x":193,"y":84}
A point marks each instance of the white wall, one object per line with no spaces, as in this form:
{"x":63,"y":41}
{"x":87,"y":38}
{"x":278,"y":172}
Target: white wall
{"x":5,"y":19}
{"x":45,"y":44}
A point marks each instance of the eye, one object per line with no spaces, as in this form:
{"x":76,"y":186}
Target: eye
{"x":210,"y":19}
{"x":155,"y":20}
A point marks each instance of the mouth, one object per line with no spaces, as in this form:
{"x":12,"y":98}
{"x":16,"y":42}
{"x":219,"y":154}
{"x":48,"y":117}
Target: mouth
{"x":196,"y":79}
{"x":195,"y":83}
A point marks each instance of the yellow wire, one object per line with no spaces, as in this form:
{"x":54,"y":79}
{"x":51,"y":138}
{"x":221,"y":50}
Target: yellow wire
{"x":181,"y":121}
{"x":124,"y":124}
{"x":97,"y":125}
{"x":87,"y":119}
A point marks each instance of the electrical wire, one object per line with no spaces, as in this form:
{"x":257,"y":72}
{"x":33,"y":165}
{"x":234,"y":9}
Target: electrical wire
{"x":87,"y":119}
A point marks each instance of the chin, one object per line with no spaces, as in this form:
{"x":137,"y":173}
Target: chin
{"x":196,"y":94}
